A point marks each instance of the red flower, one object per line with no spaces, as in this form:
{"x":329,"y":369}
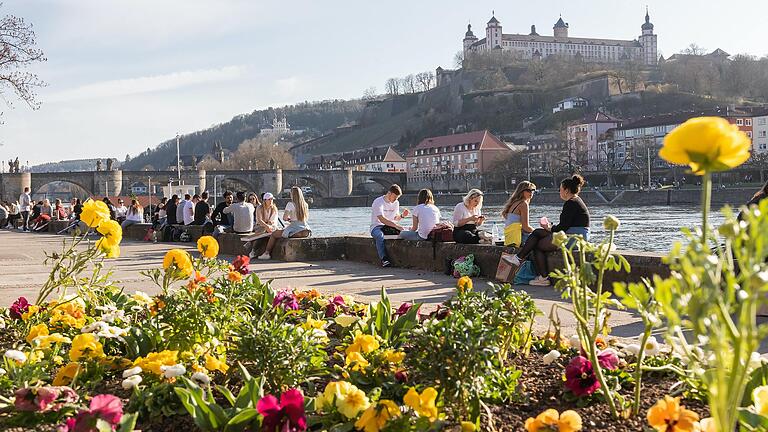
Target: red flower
{"x":20,"y":306}
{"x":401,"y":376}
{"x":104,"y":407}
{"x":608,"y":358}
{"x":580,"y":377}
{"x":43,"y":399}
{"x":337,"y":302}
{"x":403,"y":309}
{"x":286,"y":299}
{"x":241,"y":263}
{"x":287,"y":415}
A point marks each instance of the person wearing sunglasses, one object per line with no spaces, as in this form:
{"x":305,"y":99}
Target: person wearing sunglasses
{"x":516,"y":213}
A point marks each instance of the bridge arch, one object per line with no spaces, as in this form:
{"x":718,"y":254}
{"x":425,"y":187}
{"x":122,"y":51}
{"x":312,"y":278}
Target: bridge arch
{"x":39,"y":185}
{"x":319,"y":189}
{"x":249,"y":185}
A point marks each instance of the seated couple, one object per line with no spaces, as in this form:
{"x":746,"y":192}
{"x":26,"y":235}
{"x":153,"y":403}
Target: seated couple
{"x":297,"y":214}
{"x":574,"y":219}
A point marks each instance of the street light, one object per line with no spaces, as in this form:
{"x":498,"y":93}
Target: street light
{"x":178,"y":158}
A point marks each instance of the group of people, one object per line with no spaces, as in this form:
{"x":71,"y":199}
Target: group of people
{"x":467,"y":222}
{"x":35,"y":216}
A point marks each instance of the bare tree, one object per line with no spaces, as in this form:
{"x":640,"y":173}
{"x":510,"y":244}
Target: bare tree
{"x":256,"y":153}
{"x":694,"y":49}
{"x":458,"y":59}
{"x":370,"y":94}
{"x":392,"y":86}
{"x":18,"y":50}
{"x":424,"y":80}
{"x":409,"y":84}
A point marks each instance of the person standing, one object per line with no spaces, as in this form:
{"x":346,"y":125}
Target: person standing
{"x":180,"y":209}
{"x":15,"y":214}
{"x":189,"y":210}
{"x":25,"y":206}
{"x":242,"y":215}
{"x":385,"y":213}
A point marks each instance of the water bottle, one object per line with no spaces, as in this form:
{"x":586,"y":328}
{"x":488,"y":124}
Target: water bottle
{"x":496,"y":236}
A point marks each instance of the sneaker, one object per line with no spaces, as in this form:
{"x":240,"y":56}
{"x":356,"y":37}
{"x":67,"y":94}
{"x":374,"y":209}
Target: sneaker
{"x":513,"y":260}
{"x":485,"y":235}
{"x":485,"y":241}
{"x":264,"y":256}
{"x":539,"y":281}
{"x":386,"y":263}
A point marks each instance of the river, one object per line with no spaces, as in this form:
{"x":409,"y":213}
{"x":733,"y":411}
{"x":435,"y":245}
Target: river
{"x":648,"y":229}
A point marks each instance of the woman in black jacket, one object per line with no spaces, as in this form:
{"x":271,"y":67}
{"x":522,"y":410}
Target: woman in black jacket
{"x":574,"y":219}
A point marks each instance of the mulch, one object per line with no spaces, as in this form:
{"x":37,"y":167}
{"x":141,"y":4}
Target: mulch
{"x":544,"y":388}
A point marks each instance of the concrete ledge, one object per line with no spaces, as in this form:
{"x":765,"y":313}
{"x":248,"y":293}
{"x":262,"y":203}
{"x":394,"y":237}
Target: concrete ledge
{"x":55,"y":226}
{"x":231,"y":243}
{"x":136,"y":231}
{"x":310,"y":249}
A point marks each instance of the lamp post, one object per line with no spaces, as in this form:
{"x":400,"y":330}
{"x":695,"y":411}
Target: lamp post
{"x":178,"y":158}
{"x":149,"y":190}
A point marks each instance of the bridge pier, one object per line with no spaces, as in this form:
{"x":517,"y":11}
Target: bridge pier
{"x":341,"y":183}
{"x":13,"y":184}
{"x":107,"y":183}
{"x":272,"y":181}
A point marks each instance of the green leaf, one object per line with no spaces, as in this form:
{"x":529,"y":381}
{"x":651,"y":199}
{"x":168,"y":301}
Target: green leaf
{"x":127,"y":422}
{"x":239,"y":421}
{"x":227,"y":394}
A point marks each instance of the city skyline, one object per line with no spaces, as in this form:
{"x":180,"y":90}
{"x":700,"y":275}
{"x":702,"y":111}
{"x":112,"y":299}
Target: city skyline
{"x":123,"y":78}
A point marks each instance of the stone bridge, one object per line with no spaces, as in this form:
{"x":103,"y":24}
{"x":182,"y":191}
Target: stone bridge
{"x":324,"y":183}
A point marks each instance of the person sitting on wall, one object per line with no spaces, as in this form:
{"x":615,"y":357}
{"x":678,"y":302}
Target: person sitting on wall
{"x":221,"y":221}
{"x":242,"y":215}
{"x":385,"y":213}
{"x":121,"y":211}
{"x":189,"y":210}
{"x":134,"y":215}
{"x":266,"y":215}
{"x":298,"y":228}
{"x":180,"y":208}
{"x":203,"y":213}
{"x":59,"y":212}
{"x":467,"y":217}
{"x":425,"y":216}
{"x":516,"y":213}
{"x":170,"y":210}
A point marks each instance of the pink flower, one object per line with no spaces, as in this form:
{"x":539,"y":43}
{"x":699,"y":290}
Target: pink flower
{"x":286,"y":299}
{"x":333,"y":305}
{"x":608,"y":358}
{"x":241,"y":263}
{"x":25,"y":400}
{"x":580,"y":377}
{"x":287,"y":415}
{"x":403,"y":309}
{"x":401,"y":376}
{"x":44,"y":399}
{"x":104,"y":407}
{"x":20,"y":306}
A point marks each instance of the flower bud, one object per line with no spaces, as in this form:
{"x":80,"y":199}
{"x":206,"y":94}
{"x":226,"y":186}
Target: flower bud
{"x":559,"y":239}
{"x":729,"y":229}
{"x":611,"y":223}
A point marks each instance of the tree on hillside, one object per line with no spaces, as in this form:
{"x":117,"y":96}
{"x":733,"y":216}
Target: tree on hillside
{"x":425,"y":80}
{"x":18,"y":50}
{"x":409,"y":84}
{"x":254,"y":154}
{"x":512,"y":166}
{"x":694,"y":49}
{"x":458,"y":59}
{"x":392,"y":86}
{"x":370,"y":94}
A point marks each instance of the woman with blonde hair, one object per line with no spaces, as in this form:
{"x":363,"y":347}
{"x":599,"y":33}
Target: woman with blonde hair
{"x":298,"y":228}
{"x":134,"y":215}
{"x":467,"y":217}
{"x":266,"y":215}
{"x":517,"y":227}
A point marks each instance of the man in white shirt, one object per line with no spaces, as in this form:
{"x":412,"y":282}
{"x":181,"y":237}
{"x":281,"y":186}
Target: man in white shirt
{"x":121,"y":211}
{"x":189,"y":210}
{"x":180,"y":209}
{"x":385,"y":212}
{"x":242,"y":213}
{"x":25,"y":205}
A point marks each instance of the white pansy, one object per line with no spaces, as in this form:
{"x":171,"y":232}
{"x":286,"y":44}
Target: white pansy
{"x":633,"y":349}
{"x":136,"y":308}
{"x":141,"y":297}
{"x":111,"y":332}
{"x":16,"y":355}
{"x":3,"y":372}
{"x":575,"y":342}
{"x":201,"y":378}
{"x":319,"y":335}
{"x":174,"y":371}
{"x":345,"y":320}
{"x":651,"y":346}
{"x":132,"y":371}
{"x":551,"y":357}
{"x":131,"y":382}
{"x":95,"y":327}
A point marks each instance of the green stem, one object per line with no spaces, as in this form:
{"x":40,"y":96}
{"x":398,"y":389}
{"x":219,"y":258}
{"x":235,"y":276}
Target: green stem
{"x":639,"y":371}
{"x":706,"y":198}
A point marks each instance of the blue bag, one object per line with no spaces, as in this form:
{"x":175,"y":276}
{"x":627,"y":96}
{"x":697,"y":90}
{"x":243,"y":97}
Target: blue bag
{"x":525,"y":274}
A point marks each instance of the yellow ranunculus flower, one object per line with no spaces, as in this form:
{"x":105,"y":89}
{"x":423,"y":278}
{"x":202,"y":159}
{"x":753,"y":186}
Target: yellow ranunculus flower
{"x":212,"y":363}
{"x":208,"y":246}
{"x":109,"y":250}
{"x":112,"y":232}
{"x":94,"y":213}
{"x":351,"y":404}
{"x":394,"y":356}
{"x":66,"y":374}
{"x":363,"y":343}
{"x":153,"y":361}
{"x":35,"y":331}
{"x":357,"y":358}
{"x":86,"y":346}
{"x":45,"y":342}
{"x":180,"y":259}
{"x":760,"y":398}
{"x":706,"y":144}
{"x":376,"y":416}
{"x":423,"y":404}
{"x":464,"y":284}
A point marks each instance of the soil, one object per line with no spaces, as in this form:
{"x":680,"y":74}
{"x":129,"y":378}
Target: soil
{"x":544,"y":388}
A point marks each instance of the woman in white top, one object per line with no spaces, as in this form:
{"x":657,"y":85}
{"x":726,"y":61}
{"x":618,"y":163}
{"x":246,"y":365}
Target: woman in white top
{"x":134,"y":215}
{"x":467,"y":217}
{"x":266,"y":215}
{"x":425,"y":217}
{"x":298,"y":228}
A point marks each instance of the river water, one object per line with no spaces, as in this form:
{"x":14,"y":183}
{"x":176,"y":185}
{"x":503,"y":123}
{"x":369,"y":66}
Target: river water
{"x":648,"y":229}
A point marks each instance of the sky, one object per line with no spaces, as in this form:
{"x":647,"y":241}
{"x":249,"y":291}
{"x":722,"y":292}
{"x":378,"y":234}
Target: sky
{"x":124,"y":75}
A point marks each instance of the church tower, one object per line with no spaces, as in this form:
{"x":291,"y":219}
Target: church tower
{"x":648,"y":41}
{"x":561,"y":29}
{"x":469,"y":39}
{"x":493,"y":33}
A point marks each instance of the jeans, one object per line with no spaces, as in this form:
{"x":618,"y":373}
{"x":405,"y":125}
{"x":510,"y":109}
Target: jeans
{"x":126,"y":223}
{"x":378,"y":239}
{"x":410,"y":235}
{"x":25,"y":220}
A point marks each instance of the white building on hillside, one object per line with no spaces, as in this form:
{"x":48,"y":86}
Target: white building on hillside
{"x":535,"y":46}
{"x":760,"y":133}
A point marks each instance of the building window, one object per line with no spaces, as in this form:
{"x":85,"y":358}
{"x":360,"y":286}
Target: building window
{"x":747,"y":122}
{"x":749,"y":134}
{"x":739,"y":122}
{"x":761,"y":121}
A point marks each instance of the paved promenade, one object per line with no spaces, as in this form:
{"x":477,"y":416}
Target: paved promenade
{"x":22,"y":272}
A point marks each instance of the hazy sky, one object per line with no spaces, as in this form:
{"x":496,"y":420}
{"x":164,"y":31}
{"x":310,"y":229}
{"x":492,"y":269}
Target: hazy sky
{"x":125,"y":75}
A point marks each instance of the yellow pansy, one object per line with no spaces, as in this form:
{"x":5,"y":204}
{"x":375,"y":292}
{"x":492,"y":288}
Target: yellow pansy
{"x":363,"y":343}
{"x":45,"y":342}
{"x":109,"y":250}
{"x":464,"y":284}
{"x":61,"y":319}
{"x":760,"y":398}
{"x":549,"y":420}
{"x":376,"y":416}
{"x":33,"y":309}
{"x":352,"y":403}
{"x":357,"y":359}
{"x":208,"y":246}
{"x":86,"y":346}
{"x":468,"y":427}
{"x":94,"y":213}
{"x":212,"y":363}
{"x":66,"y":374}
{"x":394,"y":356}
{"x":706,"y":144}
{"x":35,"y":331}
{"x":234,"y":276}
{"x":423,"y":404}
{"x":668,"y":415}
{"x":179,"y":259}
{"x":70,"y":304}
{"x":312,"y":323}
{"x":111,"y":231}
{"x":333,"y":391}
{"x":345,"y":320}
{"x":142,"y":298}
{"x":153,"y":361}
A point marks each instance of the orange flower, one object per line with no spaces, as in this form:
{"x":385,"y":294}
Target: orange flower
{"x":309,"y":295}
{"x":551,"y":420}
{"x":669,"y":416}
{"x":234,"y":276}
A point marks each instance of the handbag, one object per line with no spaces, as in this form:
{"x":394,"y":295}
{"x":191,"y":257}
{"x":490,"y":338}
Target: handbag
{"x":441,"y":234}
{"x":389,"y":231}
